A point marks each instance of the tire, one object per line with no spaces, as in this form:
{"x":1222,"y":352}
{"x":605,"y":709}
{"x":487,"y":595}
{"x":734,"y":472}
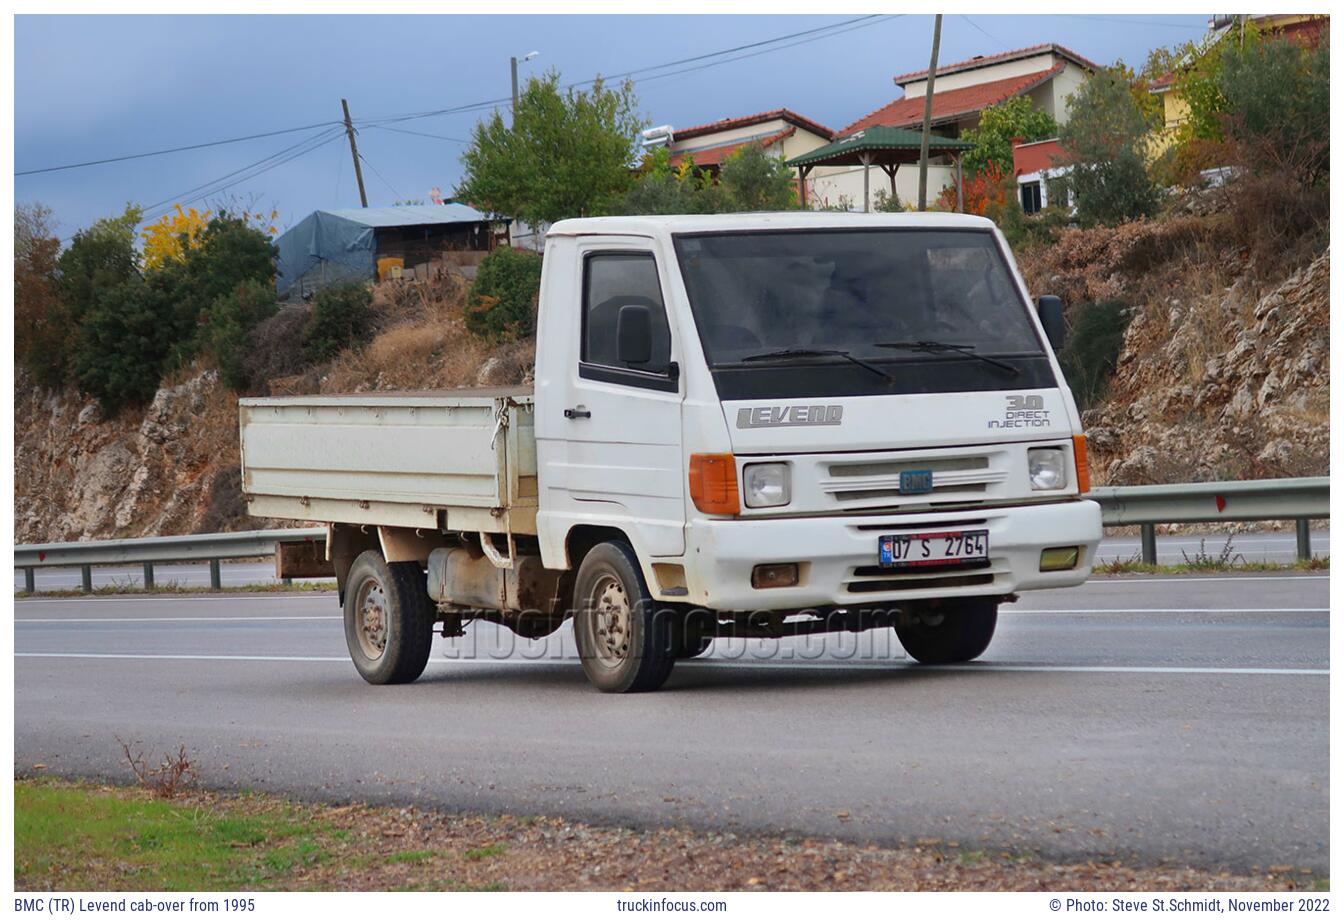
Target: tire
{"x":961,"y":632}
{"x":389,"y":620}
{"x":625,"y":641}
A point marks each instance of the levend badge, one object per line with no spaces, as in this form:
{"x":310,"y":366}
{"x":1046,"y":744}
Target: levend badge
{"x":788,"y":416}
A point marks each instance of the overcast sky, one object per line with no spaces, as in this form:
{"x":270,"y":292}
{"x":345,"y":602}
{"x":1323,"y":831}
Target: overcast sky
{"x":93,"y":87}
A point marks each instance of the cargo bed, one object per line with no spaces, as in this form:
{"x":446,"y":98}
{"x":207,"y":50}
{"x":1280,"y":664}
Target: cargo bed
{"x":447,"y":460}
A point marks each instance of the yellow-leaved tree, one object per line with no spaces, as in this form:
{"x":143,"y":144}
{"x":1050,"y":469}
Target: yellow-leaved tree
{"x":172,"y":235}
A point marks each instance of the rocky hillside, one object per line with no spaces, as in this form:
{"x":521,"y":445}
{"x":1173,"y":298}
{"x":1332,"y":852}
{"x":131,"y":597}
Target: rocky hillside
{"x":1224,"y":374}
{"x":1225,"y":368}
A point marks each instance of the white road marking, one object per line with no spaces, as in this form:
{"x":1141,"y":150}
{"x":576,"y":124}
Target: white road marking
{"x":726,"y":663}
{"x":1099,"y":579}
{"x":1010,"y":610}
{"x":167,"y":619}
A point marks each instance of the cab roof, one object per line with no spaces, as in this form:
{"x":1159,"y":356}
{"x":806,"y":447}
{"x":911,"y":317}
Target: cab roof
{"x":660,"y":224}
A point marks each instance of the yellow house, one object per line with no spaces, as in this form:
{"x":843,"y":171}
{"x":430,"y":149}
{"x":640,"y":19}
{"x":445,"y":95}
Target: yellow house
{"x":1307,"y":28}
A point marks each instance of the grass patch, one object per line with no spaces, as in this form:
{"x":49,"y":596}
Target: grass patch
{"x":1196,"y":565}
{"x":300,"y":587}
{"x":410,"y":856}
{"x":84,"y":838}
{"x":486,"y":852}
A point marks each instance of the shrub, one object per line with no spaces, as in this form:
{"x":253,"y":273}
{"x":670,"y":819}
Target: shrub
{"x":275,"y":346}
{"x":1106,"y":139}
{"x":1092,"y":348}
{"x":342,"y":314}
{"x":502,"y":303}
{"x":124,"y":340}
{"x":230,"y":321}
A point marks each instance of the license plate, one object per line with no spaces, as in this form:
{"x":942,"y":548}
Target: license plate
{"x":943,"y":547}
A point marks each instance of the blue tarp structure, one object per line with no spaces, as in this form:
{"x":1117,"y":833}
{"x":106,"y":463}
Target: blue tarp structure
{"x":327,"y":247}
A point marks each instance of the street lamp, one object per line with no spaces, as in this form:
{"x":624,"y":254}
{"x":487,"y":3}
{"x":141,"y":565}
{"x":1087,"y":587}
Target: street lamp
{"x":513,"y":68}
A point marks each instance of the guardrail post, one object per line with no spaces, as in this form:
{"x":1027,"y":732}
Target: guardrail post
{"x":287,"y":581}
{"x":86,"y":578}
{"x":1148,"y":543}
{"x":149,"y":575}
{"x":29,"y":580}
{"x":1303,"y":538}
{"x":214,"y":574}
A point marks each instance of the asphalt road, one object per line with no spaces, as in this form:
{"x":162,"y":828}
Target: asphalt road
{"x":1254,"y":546}
{"x":1158,"y":719}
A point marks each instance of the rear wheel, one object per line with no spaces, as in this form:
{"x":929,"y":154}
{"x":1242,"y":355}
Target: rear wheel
{"x":625,"y":641}
{"x":388,"y":619}
{"x":950,"y":632}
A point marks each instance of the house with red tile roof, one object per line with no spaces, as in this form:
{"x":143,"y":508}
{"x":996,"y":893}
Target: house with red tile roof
{"x":781,"y":132}
{"x":1047,"y":74}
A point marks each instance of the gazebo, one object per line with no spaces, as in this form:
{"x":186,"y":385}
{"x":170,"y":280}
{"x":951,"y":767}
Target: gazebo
{"x":885,"y":148}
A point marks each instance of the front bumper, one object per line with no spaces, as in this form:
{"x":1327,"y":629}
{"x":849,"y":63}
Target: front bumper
{"x":837,"y":556}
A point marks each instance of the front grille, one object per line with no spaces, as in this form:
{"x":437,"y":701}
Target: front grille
{"x":876,"y":483}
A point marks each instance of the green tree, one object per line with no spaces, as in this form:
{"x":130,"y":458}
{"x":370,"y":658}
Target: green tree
{"x":1106,"y":139}
{"x":342,"y":315}
{"x":502,"y":302}
{"x":122,"y":345}
{"x":753,"y":180}
{"x":231,"y":319}
{"x":43,"y":324}
{"x":99,"y":257}
{"x":567,"y":153}
{"x":999,"y":124}
{"x":661,"y":188}
{"x":1276,"y":97}
{"x":1092,"y":349}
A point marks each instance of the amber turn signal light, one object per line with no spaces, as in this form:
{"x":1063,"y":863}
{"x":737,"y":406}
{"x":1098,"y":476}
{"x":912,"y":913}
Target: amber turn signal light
{"x":714,"y":483}
{"x":1080,"y":463}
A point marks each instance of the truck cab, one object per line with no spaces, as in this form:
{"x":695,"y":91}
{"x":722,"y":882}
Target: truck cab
{"x":757,"y":425}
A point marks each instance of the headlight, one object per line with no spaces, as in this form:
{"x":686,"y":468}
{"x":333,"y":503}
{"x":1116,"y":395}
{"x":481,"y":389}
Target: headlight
{"x":765,"y":485}
{"x":1045,"y":466}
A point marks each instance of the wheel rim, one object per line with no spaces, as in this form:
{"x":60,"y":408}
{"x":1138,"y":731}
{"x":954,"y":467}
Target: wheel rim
{"x":371,"y":619}
{"x":611,"y":621}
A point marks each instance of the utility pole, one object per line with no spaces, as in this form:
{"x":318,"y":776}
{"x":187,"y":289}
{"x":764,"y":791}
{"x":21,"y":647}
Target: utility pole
{"x":928,"y":116}
{"x":354,"y":152}
{"x":513,"y":71}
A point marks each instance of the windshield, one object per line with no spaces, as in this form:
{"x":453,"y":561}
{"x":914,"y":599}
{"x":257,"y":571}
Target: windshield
{"x":786,"y":313}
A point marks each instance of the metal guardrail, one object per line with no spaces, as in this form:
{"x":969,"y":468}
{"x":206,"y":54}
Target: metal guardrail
{"x":1302,"y":500}
{"x":205,"y":547}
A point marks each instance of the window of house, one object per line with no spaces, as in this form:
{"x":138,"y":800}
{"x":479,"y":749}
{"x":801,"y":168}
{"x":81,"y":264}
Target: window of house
{"x":1031,"y":197}
{"x":611,"y":281}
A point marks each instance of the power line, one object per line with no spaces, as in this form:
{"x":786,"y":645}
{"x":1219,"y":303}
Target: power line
{"x":437,"y":137}
{"x":975,"y":25}
{"x":155,"y":153}
{"x":366,"y":162}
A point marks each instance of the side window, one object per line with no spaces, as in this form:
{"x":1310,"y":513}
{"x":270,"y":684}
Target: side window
{"x":610,"y":281}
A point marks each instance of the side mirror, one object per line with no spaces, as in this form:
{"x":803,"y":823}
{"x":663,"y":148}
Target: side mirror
{"x":634,"y":334}
{"x":1051,"y":311}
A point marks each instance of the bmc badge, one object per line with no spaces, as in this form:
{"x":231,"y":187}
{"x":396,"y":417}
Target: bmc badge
{"x":1023,"y":411}
{"x":783,"y":416}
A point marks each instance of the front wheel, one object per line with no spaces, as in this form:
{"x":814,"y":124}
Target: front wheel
{"x":952,"y":631}
{"x":389,"y":622}
{"x":625,"y":641}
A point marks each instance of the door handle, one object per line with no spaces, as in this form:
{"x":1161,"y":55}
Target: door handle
{"x":578,"y":412}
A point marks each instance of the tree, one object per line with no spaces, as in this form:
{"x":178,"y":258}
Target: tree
{"x":230,"y":322}
{"x":999,"y":124}
{"x":753,"y":180}
{"x":342,"y":315}
{"x":100,"y":257}
{"x":661,"y":188}
{"x":173,"y":234}
{"x":123,"y":343}
{"x":1276,"y":96}
{"x":43,"y":325}
{"x":230,"y":251}
{"x":566,"y":154}
{"x":1106,"y":140}
{"x":502,"y":302}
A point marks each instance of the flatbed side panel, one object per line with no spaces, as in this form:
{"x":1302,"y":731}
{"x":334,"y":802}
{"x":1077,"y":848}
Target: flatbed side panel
{"x":391,"y":460}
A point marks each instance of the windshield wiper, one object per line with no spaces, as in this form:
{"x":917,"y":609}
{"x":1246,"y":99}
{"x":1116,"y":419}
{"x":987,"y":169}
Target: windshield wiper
{"x":937,"y":348}
{"x":819,"y":353}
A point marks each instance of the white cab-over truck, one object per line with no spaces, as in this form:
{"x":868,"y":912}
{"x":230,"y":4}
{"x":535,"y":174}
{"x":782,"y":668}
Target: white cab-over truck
{"x":758,"y":425}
